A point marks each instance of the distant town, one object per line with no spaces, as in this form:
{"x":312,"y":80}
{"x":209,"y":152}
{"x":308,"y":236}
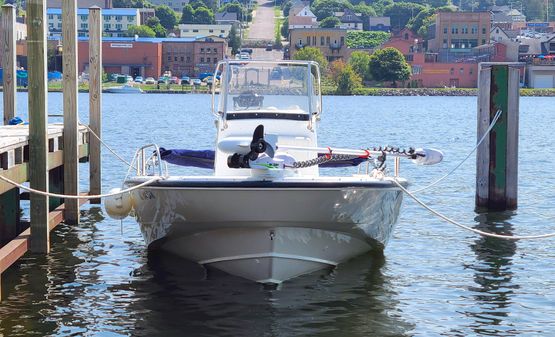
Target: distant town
{"x":377,"y":43}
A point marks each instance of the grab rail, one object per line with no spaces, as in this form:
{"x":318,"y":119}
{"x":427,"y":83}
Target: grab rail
{"x":146,"y":163}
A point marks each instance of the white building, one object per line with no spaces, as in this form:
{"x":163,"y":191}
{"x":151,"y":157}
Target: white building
{"x":302,"y":17}
{"x":499,"y":35}
{"x":194,"y":30}
{"x":115,"y":21}
{"x":176,"y":5}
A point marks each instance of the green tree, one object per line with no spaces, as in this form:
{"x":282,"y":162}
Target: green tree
{"x":131,"y":4}
{"x":389,"y":65}
{"x":167,"y":16}
{"x":360,"y":63}
{"x":380,"y":5}
{"x":325,"y":8}
{"x":348,"y":80}
{"x":439,"y":3}
{"x":312,"y":54}
{"x":234,"y":40}
{"x":144,"y":31}
{"x":188,"y":15}
{"x":330,"y":22}
{"x":365,"y":10}
{"x":277,"y":38}
{"x":401,"y":12}
{"x":154,"y":24}
{"x":204,"y":15}
{"x":286,"y":7}
{"x":285,"y":28}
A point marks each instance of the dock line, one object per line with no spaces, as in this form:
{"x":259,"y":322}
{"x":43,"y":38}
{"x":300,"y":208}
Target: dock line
{"x":476,"y":231}
{"x":98,"y":196}
{"x":492,"y":124}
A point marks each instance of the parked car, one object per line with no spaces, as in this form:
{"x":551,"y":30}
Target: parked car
{"x":128,"y":78}
{"x":162,"y":80}
{"x":113,"y":77}
{"x":150,"y":80}
{"x":244,"y":56}
{"x":175,"y":80}
{"x":185,"y":80}
{"x":139,"y":79}
{"x":269,"y":47}
{"x":197,"y":82}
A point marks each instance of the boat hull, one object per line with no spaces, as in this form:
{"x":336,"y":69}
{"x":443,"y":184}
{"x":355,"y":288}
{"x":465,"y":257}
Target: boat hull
{"x":267,"y":233}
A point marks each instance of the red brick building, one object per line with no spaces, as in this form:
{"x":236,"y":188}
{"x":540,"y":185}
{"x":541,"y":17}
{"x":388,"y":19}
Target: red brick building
{"x":190,"y":58}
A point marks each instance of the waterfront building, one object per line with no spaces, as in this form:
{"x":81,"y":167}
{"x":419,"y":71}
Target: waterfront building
{"x":379,"y":23}
{"x":457,"y":33}
{"x":195,"y":30}
{"x":507,"y":38}
{"x":176,"y":5}
{"x":116,"y":21}
{"x":190,"y":58}
{"x":350,"y":20}
{"x":330,"y":41}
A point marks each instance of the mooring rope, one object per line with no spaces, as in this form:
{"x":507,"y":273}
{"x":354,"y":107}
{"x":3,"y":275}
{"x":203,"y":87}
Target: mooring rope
{"x":107,"y":146}
{"x":492,"y":124}
{"x":477,"y":231}
{"x":98,"y":196}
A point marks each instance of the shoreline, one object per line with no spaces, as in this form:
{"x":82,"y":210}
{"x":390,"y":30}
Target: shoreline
{"x":328,"y":91}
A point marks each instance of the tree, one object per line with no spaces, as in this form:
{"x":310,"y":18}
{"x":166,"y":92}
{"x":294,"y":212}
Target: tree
{"x":204,"y":15}
{"x":285,"y":28}
{"x":286,"y":7}
{"x":131,"y":4}
{"x":188,"y":15}
{"x":325,"y":8}
{"x":365,"y":10}
{"x":312,"y":54}
{"x":360,"y":63}
{"x":167,"y":16}
{"x":330,"y":22}
{"x":234,"y":40}
{"x":144,"y":31}
{"x":380,"y":5}
{"x":348,"y":80}
{"x":154,"y":24}
{"x":401,"y":12}
{"x":389,"y":65}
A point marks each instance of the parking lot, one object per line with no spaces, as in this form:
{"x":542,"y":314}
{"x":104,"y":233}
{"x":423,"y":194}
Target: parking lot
{"x":263,"y":54}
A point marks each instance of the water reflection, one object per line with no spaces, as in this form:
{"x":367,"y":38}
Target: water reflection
{"x":175,"y":296}
{"x":493,"y":275}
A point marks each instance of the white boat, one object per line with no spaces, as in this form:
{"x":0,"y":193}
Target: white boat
{"x":266,"y":213}
{"x":124,"y":89}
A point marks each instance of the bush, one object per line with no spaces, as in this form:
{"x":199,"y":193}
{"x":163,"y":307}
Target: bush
{"x":363,"y":39}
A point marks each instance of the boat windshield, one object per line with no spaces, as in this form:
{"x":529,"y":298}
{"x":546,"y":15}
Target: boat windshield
{"x":256,"y":89}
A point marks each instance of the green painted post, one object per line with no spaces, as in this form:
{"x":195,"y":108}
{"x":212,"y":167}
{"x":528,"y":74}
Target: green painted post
{"x":497,"y":157}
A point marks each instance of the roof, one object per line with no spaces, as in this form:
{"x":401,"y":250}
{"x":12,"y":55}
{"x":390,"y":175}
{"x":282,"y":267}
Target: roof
{"x":300,"y":20}
{"x":85,"y":11}
{"x":146,"y":39}
{"x":226,"y":16}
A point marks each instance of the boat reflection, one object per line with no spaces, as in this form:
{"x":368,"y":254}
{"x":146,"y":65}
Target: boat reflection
{"x":355,"y":299}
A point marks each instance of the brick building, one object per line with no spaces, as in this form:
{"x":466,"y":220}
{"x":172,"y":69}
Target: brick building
{"x":190,"y":57}
{"x":330,"y":41}
{"x":459,"y":32}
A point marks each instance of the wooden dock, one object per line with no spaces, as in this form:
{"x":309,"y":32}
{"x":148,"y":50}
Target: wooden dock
{"x":47,"y":156}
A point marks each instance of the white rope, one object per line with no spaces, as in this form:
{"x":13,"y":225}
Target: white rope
{"x":98,"y":196}
{"x":108,"y":147}
{"x":492,"y":124}
{"x":477,"y":231}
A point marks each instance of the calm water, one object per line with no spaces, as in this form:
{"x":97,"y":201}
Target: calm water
{"x":434,"y":279}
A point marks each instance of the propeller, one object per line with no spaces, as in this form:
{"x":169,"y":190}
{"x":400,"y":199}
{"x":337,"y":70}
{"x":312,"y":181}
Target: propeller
{"x":259,"y":145}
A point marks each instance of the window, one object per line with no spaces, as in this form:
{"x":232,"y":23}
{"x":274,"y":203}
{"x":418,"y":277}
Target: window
{"x":118,"y":17}
{"x":416,"y":69}
{"x":188,"y":58}
{"x":195,"y":30}
{"x":60,"y":25}
{"x":327,"y":40}
{"x":308,"y":40}
{"x":215,"y":50}
{"x":83,"y":17}
{"x":445,"y":30}
{"x":202,"y":50}
{"x":222,"y":31}
{"x":211,"y":30}
{"x":182,"y":59}
{"x":444,"y":43}
{"x":497,"y":31}
{"x":84,"y":26}
{"x":454,"y":30}
{"x":208,"y":60}
{"x":202,"y":60}
{"x":483,"y":30}
{"x":130,"y":18}
{"x":483,"y":41}
{"x":464,"y":30}
{"x":452,"y":71}
{"x":59,"y":16}
{"x":107,"y":17}
{"x":409,"y":57}
{"x":314,"y":40}
{"x":175,"y":59}
{"x":461,"y":71}
{"x":169,"y":58}
{"x":322,"y":42}
{"x":185,"y":30}
{"x":118,"y":26}
{"x":471,"y":71}
{"x":474,"y":29}
{"x":50,"y":17}
{"x":215,"y":60}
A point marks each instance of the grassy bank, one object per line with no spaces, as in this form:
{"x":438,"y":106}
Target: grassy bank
{"x":330,"y":90}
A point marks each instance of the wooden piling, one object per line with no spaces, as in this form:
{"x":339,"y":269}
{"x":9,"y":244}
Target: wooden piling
{"x":38,"y":141}
{"x":71,"y":149}
{"x":7,"y":41}
{"x":497,"y":156}
{"x":95,"y":100}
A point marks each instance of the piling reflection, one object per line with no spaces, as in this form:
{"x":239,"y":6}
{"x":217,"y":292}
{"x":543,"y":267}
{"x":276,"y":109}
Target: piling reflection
{"x":493,"y":275}
{"x":356,"y":299}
